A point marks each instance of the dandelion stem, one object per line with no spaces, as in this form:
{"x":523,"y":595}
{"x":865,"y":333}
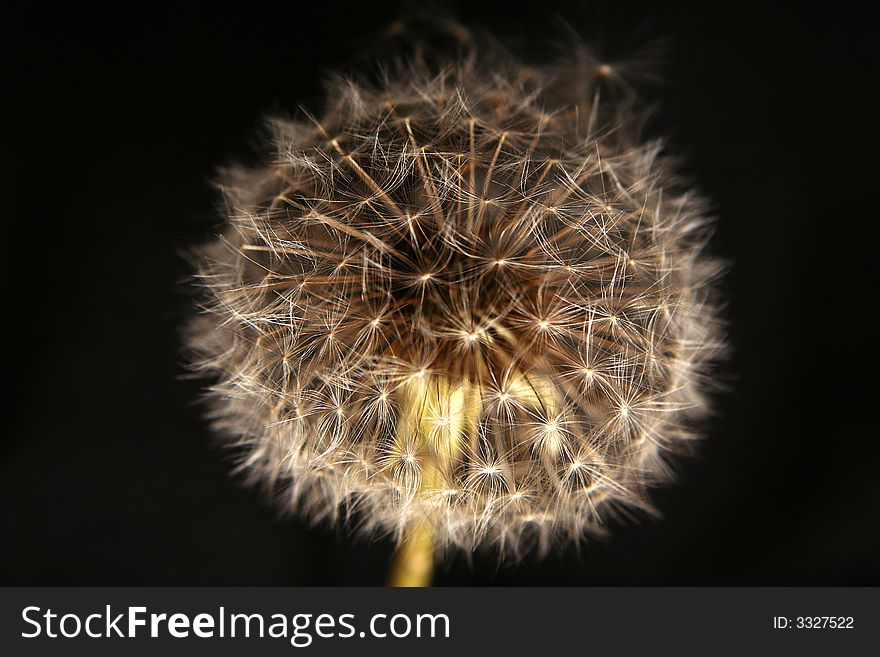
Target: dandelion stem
{"x":413,"y":562}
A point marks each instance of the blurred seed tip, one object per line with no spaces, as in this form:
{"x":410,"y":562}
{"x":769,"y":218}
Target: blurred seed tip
{"x":468,"y":295}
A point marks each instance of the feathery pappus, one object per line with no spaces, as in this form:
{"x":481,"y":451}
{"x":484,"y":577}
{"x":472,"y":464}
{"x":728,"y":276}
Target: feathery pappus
{"x":468,"y":296}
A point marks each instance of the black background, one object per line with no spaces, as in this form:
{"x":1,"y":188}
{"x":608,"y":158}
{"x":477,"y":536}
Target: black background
{"x":116,"y":120}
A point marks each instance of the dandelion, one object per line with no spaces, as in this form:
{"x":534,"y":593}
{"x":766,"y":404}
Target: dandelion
{"x":468,"y":304}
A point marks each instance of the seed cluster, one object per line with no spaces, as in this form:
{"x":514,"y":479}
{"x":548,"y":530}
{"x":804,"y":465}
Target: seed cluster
{"x":469,"y":296}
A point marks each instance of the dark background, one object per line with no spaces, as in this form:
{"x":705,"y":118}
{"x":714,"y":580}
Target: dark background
{"x":116,"y":120}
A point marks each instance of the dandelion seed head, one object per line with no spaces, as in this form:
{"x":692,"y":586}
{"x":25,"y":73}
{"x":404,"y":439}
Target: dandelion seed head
{"x":469,"y":292}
